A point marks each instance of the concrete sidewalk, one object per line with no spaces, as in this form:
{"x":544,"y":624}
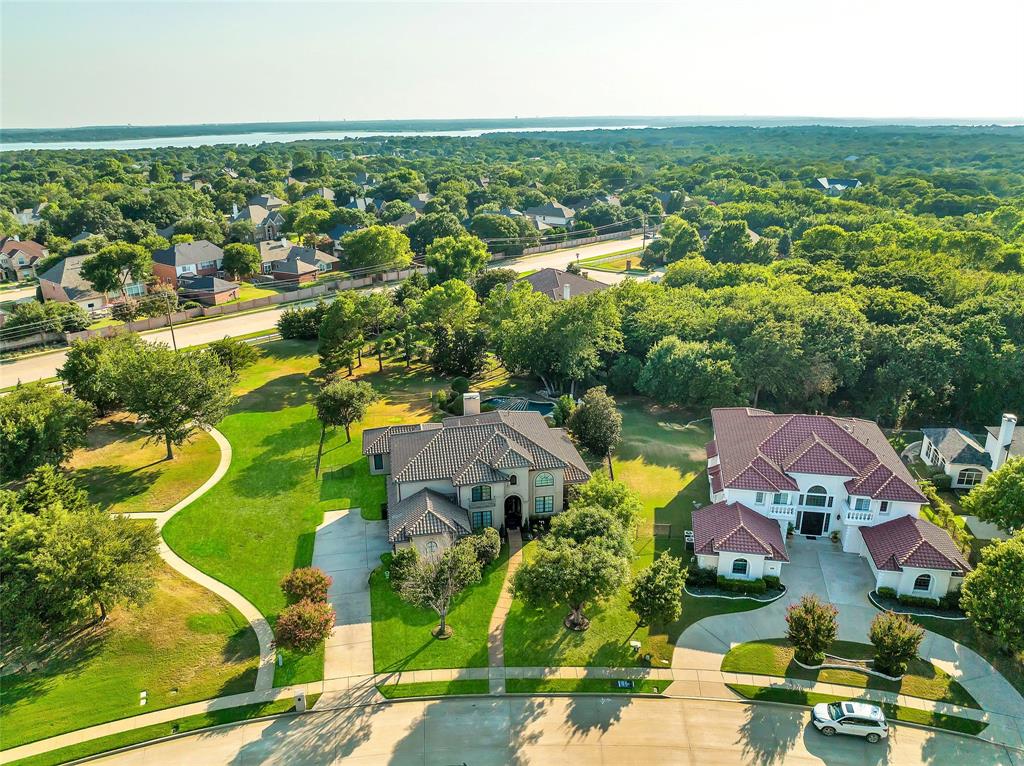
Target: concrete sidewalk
{"x":496,"y":628}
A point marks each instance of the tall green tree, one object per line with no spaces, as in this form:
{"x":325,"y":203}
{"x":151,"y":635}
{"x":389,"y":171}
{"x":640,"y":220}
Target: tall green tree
{"x":656,"y":594}
{"x":1000,"y":498}
{"x":90,"y":369}
{"x":175,"y":394}
{"x":341,"y":333}
{"x":992,"y":595}
{"x":111,"y":269}
{"x":241,"y":260}
{"x":597,"y":424}
{"x":341,"y":403}
{"x":39,"y":424}
{"x":456,"y":258}
{"x":376,"y":247}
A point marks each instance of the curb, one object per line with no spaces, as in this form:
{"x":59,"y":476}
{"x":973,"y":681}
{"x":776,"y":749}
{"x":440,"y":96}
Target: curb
{"x":876,"y":605}
{"x":764,"y":602}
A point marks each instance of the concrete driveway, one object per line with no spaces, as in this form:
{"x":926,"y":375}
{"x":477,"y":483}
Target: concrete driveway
{"x":348,"y":548}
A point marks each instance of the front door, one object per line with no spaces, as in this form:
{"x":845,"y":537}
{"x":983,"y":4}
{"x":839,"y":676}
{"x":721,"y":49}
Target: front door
{"x":812,"y":523}
{"x":513,"y":512}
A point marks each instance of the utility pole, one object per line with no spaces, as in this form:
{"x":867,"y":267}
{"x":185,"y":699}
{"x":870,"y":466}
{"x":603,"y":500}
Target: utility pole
{"x":167,"y":307}
{"x":643,"y":222}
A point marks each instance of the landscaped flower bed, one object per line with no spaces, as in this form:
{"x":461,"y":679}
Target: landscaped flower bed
{"x":917,"y":607}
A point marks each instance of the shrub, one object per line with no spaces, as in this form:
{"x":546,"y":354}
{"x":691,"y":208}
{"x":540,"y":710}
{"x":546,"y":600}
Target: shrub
{"x":886,"y":592}
{"x":624,"y":373}
{"x":563,"y":410}
{"x":918,"y":601}
{"x":752,"y":587}
{"x":812,"y":628}
{"x":701,"y":577}
{"x":189,"y":305}
{"x":460,"y":385}
{"x":896,"y":639}
{"x":302,"y":322}
{"x":950,"y":601}
{"x":306,"y":583}
{"x":942,"y":481}
{"x":304,"y":625}
{"x":772,"y":582}
{"x":402,"y":563}
{"x":486,"y":544}
{"x":126,"y":311}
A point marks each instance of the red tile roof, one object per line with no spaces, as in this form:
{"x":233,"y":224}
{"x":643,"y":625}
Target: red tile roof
{"x":734,"y":528}
{"x":711,"y":449}
{"x":909,"y":542}
{"x":757,"y":450}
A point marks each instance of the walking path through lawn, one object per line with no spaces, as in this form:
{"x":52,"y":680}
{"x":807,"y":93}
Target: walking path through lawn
{"x":348,"y":548}
{"x":265,"y":675}
{"x":496,"y":630}
{"x":703,"y":645}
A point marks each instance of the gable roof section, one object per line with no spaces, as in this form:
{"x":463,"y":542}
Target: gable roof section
{"x":757,"y":449}
{"x":188,"y":253}
{"x":474,"y":449}
{"x":551,"y":282}
{"x":909,"y":542}
{"x":426,"y":513}
{"x":67,"y":274}
{"x":1016,"y":440}
{"x":734,"y":528}
{"x":958,"y":446}
{"x":211,"y":284}
{"x":32,"y":250}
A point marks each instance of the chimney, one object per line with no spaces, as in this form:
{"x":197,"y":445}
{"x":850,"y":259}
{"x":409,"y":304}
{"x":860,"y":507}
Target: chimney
{"x":1002,"y":450}
{"x":471,"y":403}
{"x":234,"y":210}
{"x":566,"y":291}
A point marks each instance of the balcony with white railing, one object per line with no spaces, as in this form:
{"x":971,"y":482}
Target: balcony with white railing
{"x":852,"y":516}
{"x":782,"y":512}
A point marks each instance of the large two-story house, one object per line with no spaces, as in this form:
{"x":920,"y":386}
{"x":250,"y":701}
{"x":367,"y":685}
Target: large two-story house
{"x":495,"y":469}
{"x":187,"y":260}
{"x":823,"y":476}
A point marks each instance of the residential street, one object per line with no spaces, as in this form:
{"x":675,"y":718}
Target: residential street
{"x":563,"y":730}
{"x":45,"y":365}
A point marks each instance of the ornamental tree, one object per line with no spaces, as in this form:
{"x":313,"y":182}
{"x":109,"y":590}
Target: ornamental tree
{"x":241,"y":260}
{"x":306,"y":583}
{"x":613,"y":496}
{"x":812,"y":628}
{"x":992,"y":595}
{"x":597,"y":424}
{"x":896,"y":638}
{"x":433,"y":582}
{"x":458,"y":257}
{"x":341,"y":403}
{"x":302,"y":626}
{"x":113,"y":266}
{"x":656,"y":595}
{"x":1000,"y":498}
{"x":235,"y":354}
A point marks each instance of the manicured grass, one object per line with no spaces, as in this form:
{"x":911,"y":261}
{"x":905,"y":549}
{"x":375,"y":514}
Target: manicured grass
{"x":401,"y":633}
{"x":158,"y":730}
{"x":580,"y":686}
{"x":617,"y":264}
{"x":662,"y":459}
{"x":186,"y":644}
{"x":1009,"y":665}
{"x":434,"y":688}
{"x":123,"y":473}
{"x":248,"y":292}
{"x":774,"y":657}
{"x":892,"y":712}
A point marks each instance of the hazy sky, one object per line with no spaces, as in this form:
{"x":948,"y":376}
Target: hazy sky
{"x":95,"y":63}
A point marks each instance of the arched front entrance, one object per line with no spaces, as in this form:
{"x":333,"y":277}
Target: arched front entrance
{"x":513,"y":512}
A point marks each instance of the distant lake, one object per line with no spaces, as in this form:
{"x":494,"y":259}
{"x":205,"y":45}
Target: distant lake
{"x":254,"y":139}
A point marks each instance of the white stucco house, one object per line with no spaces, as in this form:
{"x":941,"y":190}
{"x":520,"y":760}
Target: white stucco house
{"x":495,"y":469}
{"x":961,"y":455}
{"x":551,"y":214}
{"x":821,"y":475}
{"x":738,"y":542}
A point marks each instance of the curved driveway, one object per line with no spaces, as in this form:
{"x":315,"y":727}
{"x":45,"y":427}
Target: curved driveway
{"x":556,"y":730}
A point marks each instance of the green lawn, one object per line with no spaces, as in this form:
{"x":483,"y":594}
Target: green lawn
{"x":434,"y":688}
{"x":616,"y":264}
{"x":892,"y":712}
{"x":158,"y":730}
{"x":120,"y":471}
{"x":774,"y":657}
{"x":248,"y":292}
{"x":186,"y":644}
{"x":401,"y":633}
{"x":580,"y":686}
{"x":662,"y":459}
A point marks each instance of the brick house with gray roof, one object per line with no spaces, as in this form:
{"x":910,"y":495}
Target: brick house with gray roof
{"x":495,"y":469}
{"x":820,"y":474}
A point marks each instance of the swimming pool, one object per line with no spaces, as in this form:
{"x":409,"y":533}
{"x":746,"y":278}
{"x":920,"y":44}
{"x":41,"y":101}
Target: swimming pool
{"x":519,"y":404}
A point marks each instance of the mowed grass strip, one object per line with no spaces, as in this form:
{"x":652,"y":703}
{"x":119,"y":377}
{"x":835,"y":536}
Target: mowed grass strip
{"x":158,"y":730}
{"x":774,"y":657}
{"x":434,"y":688}
{"x":402,"y":637}
{"x":581,"y":686}
{"x":125,"y":474}
{"x":186,"y":644}
{"x":892,"y":712}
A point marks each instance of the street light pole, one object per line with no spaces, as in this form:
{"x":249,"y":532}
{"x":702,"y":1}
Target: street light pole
{"x":167,"y":307}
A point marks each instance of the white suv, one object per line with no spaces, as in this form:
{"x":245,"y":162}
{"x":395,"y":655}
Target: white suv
{"x":855,"y":718}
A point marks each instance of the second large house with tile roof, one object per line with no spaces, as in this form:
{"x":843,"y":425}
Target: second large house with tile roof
{"x":824,"y":476}
{"x":448,"y":479}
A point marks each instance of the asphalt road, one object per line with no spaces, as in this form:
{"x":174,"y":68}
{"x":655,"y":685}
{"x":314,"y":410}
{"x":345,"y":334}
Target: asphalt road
{"x":43,"y":366}
{"x":563,"y":730}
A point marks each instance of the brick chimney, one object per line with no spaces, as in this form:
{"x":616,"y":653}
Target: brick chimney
{"x":471,"y":403}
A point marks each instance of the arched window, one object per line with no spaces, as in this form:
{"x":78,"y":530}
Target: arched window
{"x":923,"y":583}
{"x":480,"y":493}
{"x":545,"y":480}
{"x":816,"y":497}
{"x":739,"y":567}
{"x":968,"y":477}
{"x":513,"y":480}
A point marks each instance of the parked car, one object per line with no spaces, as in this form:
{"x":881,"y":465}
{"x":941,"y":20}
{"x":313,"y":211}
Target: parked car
{"x":856,"y":718}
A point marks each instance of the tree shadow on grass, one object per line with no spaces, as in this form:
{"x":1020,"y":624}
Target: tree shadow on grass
{"x":277,"y":394}
{"x":109,"y":485}
{"x":284,"y":463}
